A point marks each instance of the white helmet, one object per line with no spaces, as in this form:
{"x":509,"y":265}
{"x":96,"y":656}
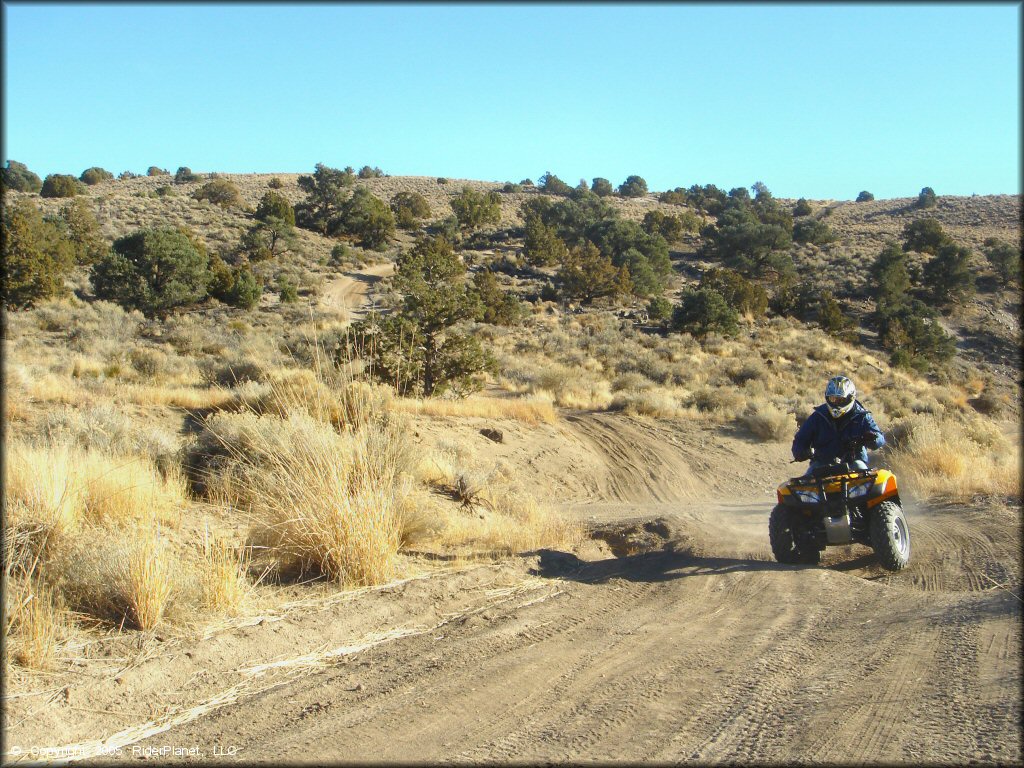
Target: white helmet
{"x":839,"y":395}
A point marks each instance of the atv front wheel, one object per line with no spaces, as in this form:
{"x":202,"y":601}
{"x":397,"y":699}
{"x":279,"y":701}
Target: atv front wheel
{"x":890,"y":536}
{"x":787,"y":544}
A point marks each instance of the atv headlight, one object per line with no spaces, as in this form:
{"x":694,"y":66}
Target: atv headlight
{"x":859,"y":490}
{"x":808,"y":497}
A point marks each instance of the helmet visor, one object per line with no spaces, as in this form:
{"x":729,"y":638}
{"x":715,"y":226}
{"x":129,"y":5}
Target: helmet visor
{"x":839,"y":401}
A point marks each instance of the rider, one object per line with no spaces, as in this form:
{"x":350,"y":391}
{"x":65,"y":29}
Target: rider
{"x":836,"y":428}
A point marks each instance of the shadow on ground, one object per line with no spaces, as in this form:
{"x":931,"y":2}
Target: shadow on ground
{"x":665,"y":565}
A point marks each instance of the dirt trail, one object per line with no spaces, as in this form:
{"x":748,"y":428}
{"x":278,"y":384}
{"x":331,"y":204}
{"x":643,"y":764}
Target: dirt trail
{"x":672,"y":636}
{"x":696,"y":647}
{"x":346,"y":295}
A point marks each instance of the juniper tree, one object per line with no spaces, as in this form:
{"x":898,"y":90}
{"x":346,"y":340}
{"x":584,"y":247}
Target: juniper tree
{"x":418,"y":348}
{"x":36,"y":256}
{"x":154,"y":270}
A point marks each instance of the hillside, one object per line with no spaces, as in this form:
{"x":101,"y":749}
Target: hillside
{"x":222,"y":529}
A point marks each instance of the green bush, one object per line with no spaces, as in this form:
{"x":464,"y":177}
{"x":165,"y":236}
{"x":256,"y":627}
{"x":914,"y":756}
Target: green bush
{"x":793,"y":298}
{"x":705,"y":311}
{"x":474,"y":209}
{"x":153,"y":270}
{"x":95,"y":175}
{"x":865,"y":197}
{"x":367,"y":217}
{"x":833,"y":320}
{"x":542,"y":246}
{"x":1004,"y":258}
{"x":125,"y":175}
{"x":267,"y":239}
{"x":155,"y":171}
{"x":669,"y":227}
{"x":633,"y":186}
{"x":60,"y":185}
{"x":813,"y":231}
{"x":417,"y":349}
{"x":410,"y":208}
{"x":340,"y":255}
{"x":326,"y":191}
{"x":221,"y":192}
{"x":275,"y":206}
{"x":83,"y":231}
{"x":497,"y":307}
{"x":234,"y":286}
{"x":247,"y":289}
{"x":601,"y":187}
{"x":914,"y":337}
{"x":802,"y":208}
{"x":744,"y":295}
{"x":18,"y":177}
{"x":659,"y":310}
{"x":287,"y":290}
{"x":751,"y":238}
{"x":927,"y":198}
{"x":36,"y":256}
{"x":184,"y":175}
{"x":891,"y":281}
{"x":366,"y":172}
{"x":550,"y":184}
{"x":924,"y":236}
{"x":675,"y":196}
{"x":509,"y":187}
{"x":907,"y":327}
{"x":588,"y":274}
{"x":275,"y":183}
{"x":949,"y":275}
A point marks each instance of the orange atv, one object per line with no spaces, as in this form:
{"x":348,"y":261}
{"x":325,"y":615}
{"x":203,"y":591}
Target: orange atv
{"x":840,"y":504}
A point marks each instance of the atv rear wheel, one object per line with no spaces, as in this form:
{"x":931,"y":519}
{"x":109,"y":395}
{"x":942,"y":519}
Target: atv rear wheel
{"x":787,"y":544}
{"x":890,"y":536}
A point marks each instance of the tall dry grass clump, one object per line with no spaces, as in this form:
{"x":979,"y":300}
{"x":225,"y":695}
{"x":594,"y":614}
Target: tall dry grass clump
{"x":769,"y":422}
{"x":320,"y":500}
{"x":223,"y":574}
{"x":125,"y":577}
{"x":34,"y":622}
{"x":62,"y":486}
{"x":954,"y":458}
{"x":88,"y":535}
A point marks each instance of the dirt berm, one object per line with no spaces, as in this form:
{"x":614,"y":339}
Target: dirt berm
{"x":671,"y":636}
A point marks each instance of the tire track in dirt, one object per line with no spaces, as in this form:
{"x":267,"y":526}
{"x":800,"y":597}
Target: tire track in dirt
{"x":640,"y":466}
{"x":346,"y":295}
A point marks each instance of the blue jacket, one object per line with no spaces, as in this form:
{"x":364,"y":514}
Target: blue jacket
{"x":829,"y":436}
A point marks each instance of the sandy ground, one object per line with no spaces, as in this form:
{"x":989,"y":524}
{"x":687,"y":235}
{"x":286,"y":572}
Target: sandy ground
{"x":346,"y":295}
{"x":670,"y":635}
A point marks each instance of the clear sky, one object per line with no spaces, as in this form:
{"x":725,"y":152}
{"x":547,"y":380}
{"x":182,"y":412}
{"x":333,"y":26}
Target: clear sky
{"x":815,"y":100}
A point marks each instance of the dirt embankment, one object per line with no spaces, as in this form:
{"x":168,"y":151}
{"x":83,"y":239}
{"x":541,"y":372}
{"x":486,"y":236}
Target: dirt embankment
{"x":671,"y":635}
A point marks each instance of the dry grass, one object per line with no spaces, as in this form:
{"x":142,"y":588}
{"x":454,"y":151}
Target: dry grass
{"x":954,"y":459}
{"x":334,"y":400}
{"x":494,"y":516}
{"x":145,"y":583}
{"x":769,"y":422}
{"x":126,"y":578}
{"x":528,"y":410}
{"x":33,"y":623}
{"x":62,"y":487}
{"x":223,"y":574}
{"x":320,"y":501}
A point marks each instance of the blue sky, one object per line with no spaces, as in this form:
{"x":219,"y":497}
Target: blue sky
{"x":815,"y":100}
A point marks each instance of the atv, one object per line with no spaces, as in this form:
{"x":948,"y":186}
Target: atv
{"x":840,"y":503}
